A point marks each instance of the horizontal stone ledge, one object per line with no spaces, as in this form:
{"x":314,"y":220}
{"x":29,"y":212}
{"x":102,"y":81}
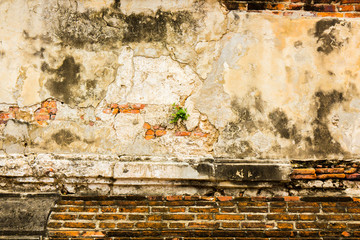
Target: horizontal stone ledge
{"x":48,"y":167}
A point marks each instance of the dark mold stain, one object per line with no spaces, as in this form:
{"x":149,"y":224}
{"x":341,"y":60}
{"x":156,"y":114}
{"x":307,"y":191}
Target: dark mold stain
{"x":298,"y":44}
{"x":109,"y":26}
{"x":325,"y":32}
{"x":281,"y":123}
{"x":64,"y":137}
{"x":67,"y":76}
{"x":323,"y":142}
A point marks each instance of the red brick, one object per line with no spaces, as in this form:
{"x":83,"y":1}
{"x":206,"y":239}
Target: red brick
{"x":304,"y":177}
{"x":150,"y":132}
{"x":183,"y":133}
{"x":149,"y":137}
{"x":123,"y":106}
{"x":337,"y":225}
{"x":330,"y":14}
{"x":150,"y":225}
{"x":200,"y":134}
{"x":88,"y":217}
{"x":201,"y":209}
{"x":138,"y":106}
{"x":352,"y":15}
{"x":125,"y":225}
{"x":174,"y":198}
{"x":252,"y":204}
{"x":78,"y":225}
{"x":291,"y":198}
{"x":82,"y":209}
{"x":334,"y":217}
{"x":350,"y":170}
{"x":111,"y":217}
{"x":307,"y":225}
{"x":349,"y":1}
{"x":256,"y":225}
{"x":295,"y":6}
{"x":354,"y":175}
{"x":107,"y":225}
{"x":179,"y":217}
{"x":203,"y":225}
{"x":108,"y":209}
{"x":54,"y":224}
{"x":137,"y":209}
{"x":147,"y":126}
{"x":93,"y":234}
{"x":68,"y":202}
{"x":225,"y":198}
{"x":63,"y":217}
{"x":160,"y":133}
{"x":177,"y":209}
{"x":303,"y":171}
{"x":282,"y":217}
{"x":230,"y":217}
{"x":177,"y":225}
{"x":329,"y":170}
{"x":154,"y":218}
{"x":345,"y":8}
{"x":328,"y":176}
{"x":204,"y":217}
{"x":307,"y":217}
{"x":64,"y":233}
{"x":136,"y":217}
{"x":255,"y":217}
{"x":230,"y":225}
{"x":282,"y":225}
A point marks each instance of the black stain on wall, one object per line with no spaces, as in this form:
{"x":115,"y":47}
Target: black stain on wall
{"x":325,"y":32}
{"x":67,"y":76}
{"x":64,"y":137}
{"x":109,"y":26}
{"x":323,"y":142}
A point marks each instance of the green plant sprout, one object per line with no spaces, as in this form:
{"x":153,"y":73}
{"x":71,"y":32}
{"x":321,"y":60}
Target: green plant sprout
{"x":181,"y":113}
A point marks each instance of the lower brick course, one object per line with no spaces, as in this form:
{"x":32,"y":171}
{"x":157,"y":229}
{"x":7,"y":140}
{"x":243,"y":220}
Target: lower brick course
{"x":189,"y":217}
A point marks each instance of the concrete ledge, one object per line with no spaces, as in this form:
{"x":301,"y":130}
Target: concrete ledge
{"x":123,"y":175}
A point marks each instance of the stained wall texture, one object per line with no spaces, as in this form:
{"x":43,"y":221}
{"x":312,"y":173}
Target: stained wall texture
{"x":100,"y":77}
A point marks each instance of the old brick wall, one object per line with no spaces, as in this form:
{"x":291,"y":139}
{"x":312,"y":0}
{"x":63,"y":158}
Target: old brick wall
{"x":319,"y":8}
{"x":195,"y":217}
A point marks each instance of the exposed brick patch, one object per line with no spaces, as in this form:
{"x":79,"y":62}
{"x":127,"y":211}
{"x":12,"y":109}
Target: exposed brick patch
{"x":153,"y":132}
{"x":115,"y":108}
{"x":327,"y":171}
{"x":188,"y":217}
{"x":319,"y":8}
{"x":46,"y":112}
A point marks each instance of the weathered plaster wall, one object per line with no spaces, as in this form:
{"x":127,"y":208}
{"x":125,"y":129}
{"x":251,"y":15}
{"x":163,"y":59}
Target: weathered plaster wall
{"x":100,"y":77}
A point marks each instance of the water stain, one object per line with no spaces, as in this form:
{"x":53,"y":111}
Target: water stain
{"x":67,"y":77}
{"x":64,"y":137}
{"x":323,"y":142}
{"x":326,"y":32}
{"x":110,"y":26}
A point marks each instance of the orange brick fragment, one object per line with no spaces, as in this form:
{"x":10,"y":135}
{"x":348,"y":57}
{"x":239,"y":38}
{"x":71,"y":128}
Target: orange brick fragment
{"x":330,"y":14}
{"x":160,"y":133}
{"x":93,"y":234}
{"x":305,"y":177}
{"x":345,"y":8}
{"x":327,"y":176}
{"x":150,"y":132}
{"x":149,"y":137}
{"x":291,"y":198}
{"x":352,"y":15}
{"x":303,"y":171}
{"x":138,"y":106}
{"x":147,"y":125}
{"x":225,"y":198}
{"x":329,"y":170}
{"x":183,"y":133}
{"x":200,"y":134}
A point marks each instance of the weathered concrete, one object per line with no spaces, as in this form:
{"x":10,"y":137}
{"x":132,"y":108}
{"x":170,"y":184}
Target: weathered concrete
{"x":255,"y":85}
{"x":24,"y":216}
